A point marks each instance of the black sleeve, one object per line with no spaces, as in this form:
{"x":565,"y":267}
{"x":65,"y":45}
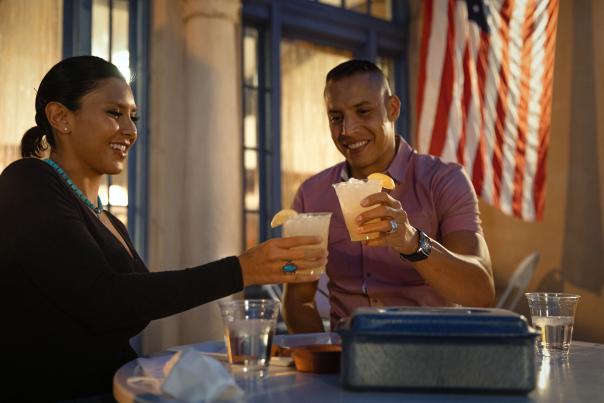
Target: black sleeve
{"x":52,"y":245}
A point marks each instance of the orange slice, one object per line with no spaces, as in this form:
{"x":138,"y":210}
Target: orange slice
{"x":282,"y":216}
{"x":385,"y":180}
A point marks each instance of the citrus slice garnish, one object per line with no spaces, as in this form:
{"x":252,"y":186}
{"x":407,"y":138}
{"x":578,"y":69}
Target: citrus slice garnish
{"x":385,"y":180}
{"x":282,"y":216}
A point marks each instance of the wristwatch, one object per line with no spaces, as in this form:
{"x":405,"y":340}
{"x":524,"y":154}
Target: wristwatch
{"x":423,"y":250}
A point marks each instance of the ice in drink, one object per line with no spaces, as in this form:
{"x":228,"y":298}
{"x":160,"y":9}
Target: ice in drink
{"x":555,"y":334}
{"x":305,"y":224}
{"x":350,"y":194}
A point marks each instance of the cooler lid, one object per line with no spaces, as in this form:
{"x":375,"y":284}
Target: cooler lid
{"x":433,"y":321}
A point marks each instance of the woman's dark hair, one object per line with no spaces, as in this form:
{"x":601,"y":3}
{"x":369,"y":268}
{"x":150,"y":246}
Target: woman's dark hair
{"x":66,"y":83}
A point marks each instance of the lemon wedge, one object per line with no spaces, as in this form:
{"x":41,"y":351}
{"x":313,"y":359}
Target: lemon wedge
{"x":282,"y":216}
{"x":386,"y":181}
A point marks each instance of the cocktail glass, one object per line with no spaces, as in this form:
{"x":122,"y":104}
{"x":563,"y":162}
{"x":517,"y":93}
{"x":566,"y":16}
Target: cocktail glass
{"x":315,"y":224}
{"x":249,"y":326}
{"x":553,"y":314}
{"x":350,"y":194}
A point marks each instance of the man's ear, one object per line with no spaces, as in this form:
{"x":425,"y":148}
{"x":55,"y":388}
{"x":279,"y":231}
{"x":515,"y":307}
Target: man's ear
{"x":58,"y":117}
{"x":393,"y":106}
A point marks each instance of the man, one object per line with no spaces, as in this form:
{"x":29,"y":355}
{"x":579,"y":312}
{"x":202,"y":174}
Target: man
{"x":430,"y":252}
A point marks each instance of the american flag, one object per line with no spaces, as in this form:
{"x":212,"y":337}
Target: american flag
{"x":484,"y":95}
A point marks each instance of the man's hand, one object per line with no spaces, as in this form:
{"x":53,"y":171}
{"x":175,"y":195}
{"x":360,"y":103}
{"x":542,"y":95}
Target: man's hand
{"x":459,"y":269}
{"x":403,"y":240}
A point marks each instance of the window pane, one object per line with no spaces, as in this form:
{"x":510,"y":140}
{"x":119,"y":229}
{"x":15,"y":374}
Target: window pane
{"x":100,"y":28}
{"x":306,"y":145}
{"x":114,"y":190}
{"x":250,"y":118}
{"x":382,"y":9}
{"x":251,"y":229}
{"x":360,"y":6}
{"x":337,"y":3}
{"x":252,"y":184}
{"x":250,"y":60}
{"x":120,"y":55}
{"x":387,"y":66}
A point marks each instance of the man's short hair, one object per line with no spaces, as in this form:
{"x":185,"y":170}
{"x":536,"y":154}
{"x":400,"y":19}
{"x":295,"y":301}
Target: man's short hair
{"x":352,"y":67}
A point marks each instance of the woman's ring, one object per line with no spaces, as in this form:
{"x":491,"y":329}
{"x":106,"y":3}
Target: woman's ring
{"x":393,"y":227}
{"x":289,"y":268}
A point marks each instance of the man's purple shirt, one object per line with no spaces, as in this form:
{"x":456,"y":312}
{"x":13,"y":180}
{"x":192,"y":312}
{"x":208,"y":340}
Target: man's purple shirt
{"x":438,"y":198}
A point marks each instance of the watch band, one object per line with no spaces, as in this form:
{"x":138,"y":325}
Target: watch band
{"x":423,"y":250}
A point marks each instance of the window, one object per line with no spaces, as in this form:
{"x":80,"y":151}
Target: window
{"x":288,"y":48}
{"x":109,"y":40}
{"x":304,"y":124}
{"x":116,"y":30}
{"x":376,"y":8}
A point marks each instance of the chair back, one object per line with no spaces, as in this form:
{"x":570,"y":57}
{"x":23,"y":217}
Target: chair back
{"x":519,"y":281}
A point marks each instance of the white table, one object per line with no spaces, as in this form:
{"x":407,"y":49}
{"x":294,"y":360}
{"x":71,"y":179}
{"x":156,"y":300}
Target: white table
{"x":580,"y":378}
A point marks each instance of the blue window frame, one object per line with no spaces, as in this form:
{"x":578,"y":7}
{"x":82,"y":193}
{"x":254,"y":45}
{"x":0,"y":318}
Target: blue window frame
{"x":77,"y":40}
{"x":335,"y":25}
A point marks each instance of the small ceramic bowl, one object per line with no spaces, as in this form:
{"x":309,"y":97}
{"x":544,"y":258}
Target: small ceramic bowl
{"x":317,"y":358}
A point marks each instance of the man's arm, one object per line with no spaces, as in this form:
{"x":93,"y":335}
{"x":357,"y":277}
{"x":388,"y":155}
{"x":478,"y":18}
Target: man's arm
{"x":460,"y":269}
{"x":299,"y":310}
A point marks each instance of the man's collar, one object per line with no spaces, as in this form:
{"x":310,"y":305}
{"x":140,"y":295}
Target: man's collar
{"x":397,"y":167}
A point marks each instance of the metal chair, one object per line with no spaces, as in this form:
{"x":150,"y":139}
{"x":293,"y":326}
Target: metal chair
{"x":519,"y":281}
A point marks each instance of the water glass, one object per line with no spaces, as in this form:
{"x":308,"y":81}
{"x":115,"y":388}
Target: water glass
{"x":249,"y":326}
{"x":552,"y":315}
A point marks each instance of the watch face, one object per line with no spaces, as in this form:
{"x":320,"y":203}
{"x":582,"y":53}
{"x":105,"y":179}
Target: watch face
{"x":425,"y":245}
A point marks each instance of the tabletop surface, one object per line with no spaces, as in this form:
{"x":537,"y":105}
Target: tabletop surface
{"x":579,"y":378}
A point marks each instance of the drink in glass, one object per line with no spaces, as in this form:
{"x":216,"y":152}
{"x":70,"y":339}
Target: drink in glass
{"x":350,"y":195}
{"x":315,"y":224}
{"x":249,"y":326}
{"x":552,"y":315}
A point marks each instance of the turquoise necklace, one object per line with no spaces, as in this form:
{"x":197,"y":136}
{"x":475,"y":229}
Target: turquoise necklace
{"x":97,"y":210}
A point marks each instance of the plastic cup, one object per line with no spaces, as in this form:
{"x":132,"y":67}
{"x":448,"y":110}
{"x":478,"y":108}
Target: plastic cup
{"x":350,"y":195}
{"x":315,"y":224}
{"x":249,"y":326}
{"x":552,"y":315}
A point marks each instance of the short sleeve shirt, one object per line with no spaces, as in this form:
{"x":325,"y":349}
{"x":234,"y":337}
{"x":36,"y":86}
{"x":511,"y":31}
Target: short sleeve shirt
{"x":438,"y":198}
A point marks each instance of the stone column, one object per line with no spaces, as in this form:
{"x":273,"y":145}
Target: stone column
{"x":213,"y":158}
{"x":195,"y":178}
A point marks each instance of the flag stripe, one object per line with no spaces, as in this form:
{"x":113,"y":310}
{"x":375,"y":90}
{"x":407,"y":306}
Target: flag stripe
{"x":525,"y":91}
{"x":502,"y":102}
{"x":433,"y":71}
{"x":445,"y":96}
{"x":421,"y":76}
{"x":548,"y":65}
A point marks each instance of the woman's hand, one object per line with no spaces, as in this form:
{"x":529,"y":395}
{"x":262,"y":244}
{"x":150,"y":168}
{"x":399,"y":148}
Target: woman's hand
{"x":404,"y":238}
{"x":263,"y":264}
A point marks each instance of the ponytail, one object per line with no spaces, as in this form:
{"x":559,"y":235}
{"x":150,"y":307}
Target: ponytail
{"x":33,"y":143}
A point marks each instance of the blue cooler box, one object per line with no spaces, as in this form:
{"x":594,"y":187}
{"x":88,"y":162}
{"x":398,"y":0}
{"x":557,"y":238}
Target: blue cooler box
{"x":459,"y":349}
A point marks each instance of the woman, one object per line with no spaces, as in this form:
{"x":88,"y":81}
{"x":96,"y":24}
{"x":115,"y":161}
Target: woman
{"x":73,"y":286}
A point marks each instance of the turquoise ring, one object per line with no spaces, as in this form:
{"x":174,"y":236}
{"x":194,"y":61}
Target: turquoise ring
{"x":289,"y":268}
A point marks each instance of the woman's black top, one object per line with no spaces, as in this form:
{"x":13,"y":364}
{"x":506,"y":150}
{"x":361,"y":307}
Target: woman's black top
{"x":71,"y":295}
